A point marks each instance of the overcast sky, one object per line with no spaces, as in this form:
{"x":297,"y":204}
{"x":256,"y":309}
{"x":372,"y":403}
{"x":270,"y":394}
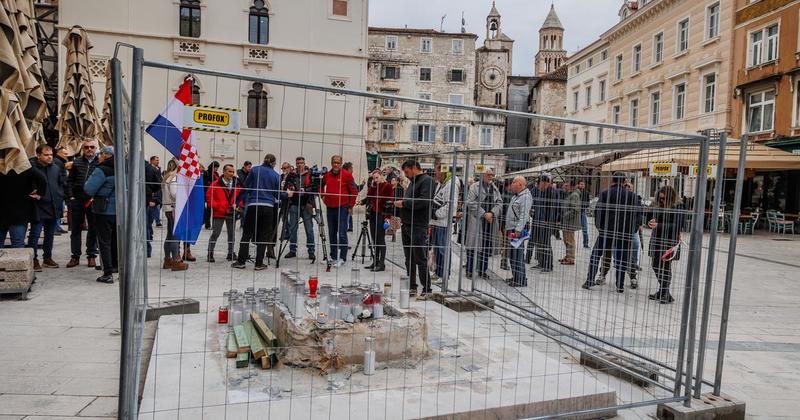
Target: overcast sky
{"x":584,"y":20}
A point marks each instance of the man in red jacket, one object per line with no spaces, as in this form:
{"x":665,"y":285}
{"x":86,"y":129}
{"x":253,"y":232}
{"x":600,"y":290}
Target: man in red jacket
{"x":339,"y":195}
{"x":221,"y":198}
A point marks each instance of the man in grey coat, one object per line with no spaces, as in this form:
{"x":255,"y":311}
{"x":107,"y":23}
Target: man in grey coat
{"x":484,"y":204}
{"x":517,"y":216}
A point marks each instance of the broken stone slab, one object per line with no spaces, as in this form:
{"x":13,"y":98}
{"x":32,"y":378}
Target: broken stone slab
{"x":172,"y":307}
{"x":399,"y":335}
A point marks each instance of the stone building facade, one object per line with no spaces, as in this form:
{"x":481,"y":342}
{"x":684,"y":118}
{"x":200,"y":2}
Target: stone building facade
{"x":669,"y":66}
{"x":548,"y":97}
{"x":427,"y":64}
{"x":587,"y":89}
{"x":313,"y":41}
{"x":552,"y":54}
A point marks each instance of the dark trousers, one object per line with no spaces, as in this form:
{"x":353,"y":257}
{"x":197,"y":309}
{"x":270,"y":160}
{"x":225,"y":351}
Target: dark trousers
{"x":49,"y":228}
{"x":207,"y":217}
{"x":585,"y":228}
{"x":415,"y":247}
{"x":544,"y":248}
{"x":663,"y":270}
{"x":106,"y":226}
{"x":77,"y":215}
{"x":620,"y":250}
{"x":378,"y":234}
{"x":152,"y":216}
{"x":259,"y":221}
{"x":216,"y":225}
{"x":172,"y":249}
{"x":483,"y":251}
{"x":17,"y":234}
{"x":516,"y":258}
{"x":605,"y":265}
{"x":337,"y":232}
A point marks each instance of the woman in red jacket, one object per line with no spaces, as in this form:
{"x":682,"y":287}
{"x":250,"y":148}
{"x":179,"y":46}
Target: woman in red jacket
{"x":378,"y":193}
{"x":221,"y":200}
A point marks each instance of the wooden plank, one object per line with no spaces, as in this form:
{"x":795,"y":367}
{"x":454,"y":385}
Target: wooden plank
{"x":242,"y":359}
{"x":270,"y":340}
{"x":256,"y":344}
{"x":241,"y":339}
{"x":232,"y":347}
{"x":266,"y":362}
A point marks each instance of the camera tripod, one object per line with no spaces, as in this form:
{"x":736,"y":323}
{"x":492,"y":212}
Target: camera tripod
{"x":315,"y":216}
{"x":365,"y":241}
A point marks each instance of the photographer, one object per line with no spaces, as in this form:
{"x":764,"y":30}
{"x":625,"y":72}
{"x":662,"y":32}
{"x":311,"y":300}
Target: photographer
{"x":439,"y":220}
{"x":339,"y":194}
{"x":415,"y":211}
{"x":379,"y":194}
{"x":305,"y":185}
{"x":484,"y":205}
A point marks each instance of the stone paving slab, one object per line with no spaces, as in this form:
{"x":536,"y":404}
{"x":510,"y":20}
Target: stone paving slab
{"x":51,"y":405}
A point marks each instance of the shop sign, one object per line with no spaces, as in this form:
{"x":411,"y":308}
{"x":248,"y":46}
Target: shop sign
{"x":663,"y":170}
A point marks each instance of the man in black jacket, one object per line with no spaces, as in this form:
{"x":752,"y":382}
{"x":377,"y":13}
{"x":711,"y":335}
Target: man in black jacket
{"x":415,"y":213}
{"x":152,"y":196}
{"x":547,"y":212}
{"x":18,"y":206}
{"x":301,"y":205}
{"x":79,"y":207}
{"x":241,"y":174}
{"x":48,"y":207}
{"x":618,"y":214}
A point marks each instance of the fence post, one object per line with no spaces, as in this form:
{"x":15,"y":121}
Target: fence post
{"x":712,"y":248}
{"x":726,"y":297}
{"x":120,"y":172}
{"x":134,"y":264}
{"x":463,"y":233}
{"x":451,"y":211}
{"x":688,"y":322}
{"x":697,"y":258}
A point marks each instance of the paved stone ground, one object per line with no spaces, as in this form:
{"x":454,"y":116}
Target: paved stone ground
{"x":59,"y":351}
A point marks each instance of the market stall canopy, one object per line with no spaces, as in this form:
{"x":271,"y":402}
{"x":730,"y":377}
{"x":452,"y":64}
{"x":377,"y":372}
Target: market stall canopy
{"x":758,"y":157}
{"x":578,"y":160}
{"x":78,"y":119}
{"x":22,"y":106}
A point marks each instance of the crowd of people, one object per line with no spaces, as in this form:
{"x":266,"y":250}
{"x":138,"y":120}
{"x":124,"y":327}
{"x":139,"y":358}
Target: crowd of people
{"x":509,"y":217}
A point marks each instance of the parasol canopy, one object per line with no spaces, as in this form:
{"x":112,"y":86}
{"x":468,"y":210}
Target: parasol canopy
{"x":22,"y":106}
{"x":78,"y":119}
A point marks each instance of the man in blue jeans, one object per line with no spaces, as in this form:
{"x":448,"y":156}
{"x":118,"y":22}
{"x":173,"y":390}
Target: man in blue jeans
{"x":517,"y":216}
{"x":18,"y":206}
{"x":152,"y":192}
{"x":439,"y":220}
{"x":617,"y":215}
{"x":581,"y":186}
{"x":339,"y":194}
{"x":48,"y":207}
{"x":305,"y":185}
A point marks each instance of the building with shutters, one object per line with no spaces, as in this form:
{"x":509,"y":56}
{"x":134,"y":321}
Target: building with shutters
{"x":313,"y":41}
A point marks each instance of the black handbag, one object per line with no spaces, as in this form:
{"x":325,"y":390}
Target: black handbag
{"x":99,"y":204}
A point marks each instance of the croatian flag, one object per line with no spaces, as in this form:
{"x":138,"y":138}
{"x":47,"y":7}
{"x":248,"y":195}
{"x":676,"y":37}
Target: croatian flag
{"x":167,"y":129}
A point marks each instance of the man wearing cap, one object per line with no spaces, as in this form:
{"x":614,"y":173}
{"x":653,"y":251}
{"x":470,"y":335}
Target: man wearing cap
{"x":617,"y":214}
{"x":547,"y":205}
{"x":100,"y":187}
{"x":517,"y":216}
{"x":439,"y":220}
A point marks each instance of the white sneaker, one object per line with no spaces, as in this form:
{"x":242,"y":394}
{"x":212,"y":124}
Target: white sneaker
{"x":600,"y":280}
{"x":338,"y":263}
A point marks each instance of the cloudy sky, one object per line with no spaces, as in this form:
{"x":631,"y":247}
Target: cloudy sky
{"x":584,"y":20}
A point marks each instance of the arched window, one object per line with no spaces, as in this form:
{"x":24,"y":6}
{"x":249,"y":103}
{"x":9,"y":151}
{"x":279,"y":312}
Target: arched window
{"x":195,"y":88}
{"x":257,"y":106}
{"x":189,"y":20}
{"x":259,"y":23}
{"x":493,"y":29}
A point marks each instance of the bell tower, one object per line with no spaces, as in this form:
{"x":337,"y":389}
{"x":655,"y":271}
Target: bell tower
{"x":552,"y":54}
{"x":493,"y":62}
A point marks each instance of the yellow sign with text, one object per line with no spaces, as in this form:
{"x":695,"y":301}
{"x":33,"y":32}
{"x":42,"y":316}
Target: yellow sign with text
{"x":480,"y":168}
{"x":211,"y":118}
{"x":663,"y":169}
{"x":711,"y":171}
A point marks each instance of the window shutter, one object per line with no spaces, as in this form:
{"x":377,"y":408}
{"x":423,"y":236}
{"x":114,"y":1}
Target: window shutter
{"x":463,"y":139}
{"x":414,"y":132}
{"x":446,"y":134}
{"x":431,"y":134}
{"x":450,"y":76}
{"x":383,"y":72}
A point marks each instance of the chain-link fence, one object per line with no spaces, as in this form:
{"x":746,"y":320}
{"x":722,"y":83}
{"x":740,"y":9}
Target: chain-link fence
{"x":434,"y":281}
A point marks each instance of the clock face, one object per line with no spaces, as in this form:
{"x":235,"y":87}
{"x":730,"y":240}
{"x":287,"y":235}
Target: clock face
{"x":492,"y":77}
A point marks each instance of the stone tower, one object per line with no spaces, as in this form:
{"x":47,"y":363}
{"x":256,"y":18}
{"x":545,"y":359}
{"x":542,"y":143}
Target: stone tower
{"x":493,"y":64}
{"x":551,"y":53}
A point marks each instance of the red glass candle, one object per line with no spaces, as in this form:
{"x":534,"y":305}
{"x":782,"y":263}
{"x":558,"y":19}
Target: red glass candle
{"x":312,"y":286}
{"x":222,"y":316}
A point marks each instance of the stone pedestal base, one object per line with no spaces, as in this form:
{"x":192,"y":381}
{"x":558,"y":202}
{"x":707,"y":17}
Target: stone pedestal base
{"x":401,"y":335}
{"x":708,"y":407}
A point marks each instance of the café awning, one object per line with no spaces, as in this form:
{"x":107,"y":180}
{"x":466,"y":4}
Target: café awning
{"x":579,"y":160}
{"x":759,"y":157}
